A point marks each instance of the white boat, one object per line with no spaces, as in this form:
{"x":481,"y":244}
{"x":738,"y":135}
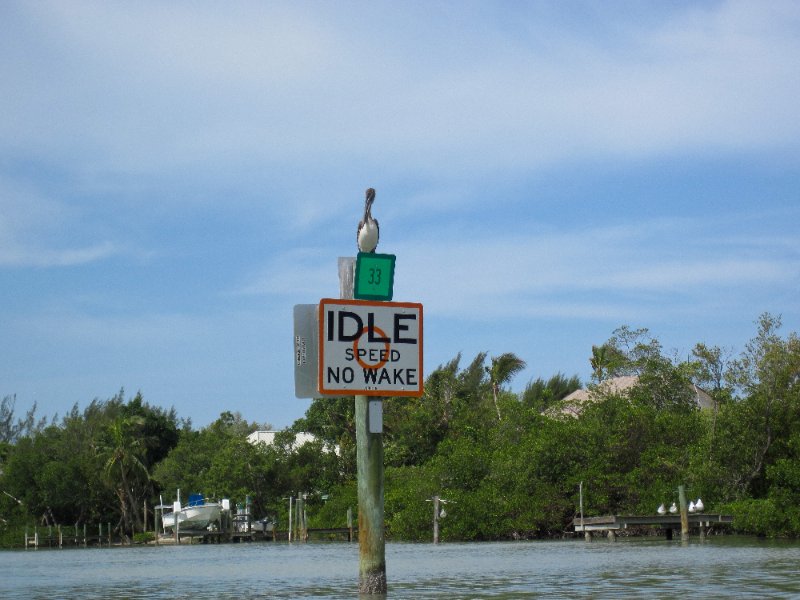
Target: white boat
{"x":197,"y":514}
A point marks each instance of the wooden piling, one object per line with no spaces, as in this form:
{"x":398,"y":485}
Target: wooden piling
{"x":684,"y":512}
{"x":369,"y":459}
{"x":372,"y":547}
{"x":349,"y":524}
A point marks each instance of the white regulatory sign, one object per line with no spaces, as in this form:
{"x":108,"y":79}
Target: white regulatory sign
{"x":370,"y":348}
{"x":306,"y":351}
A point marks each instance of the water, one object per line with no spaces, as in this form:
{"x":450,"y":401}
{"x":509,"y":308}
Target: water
{"x":630,"y":568}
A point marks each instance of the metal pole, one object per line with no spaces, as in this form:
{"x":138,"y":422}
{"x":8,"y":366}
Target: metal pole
{"x":436,"y":519}
{"x":290,"y":518}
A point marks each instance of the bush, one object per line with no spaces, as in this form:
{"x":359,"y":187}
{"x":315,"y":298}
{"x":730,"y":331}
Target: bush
{"x":143,"y":538}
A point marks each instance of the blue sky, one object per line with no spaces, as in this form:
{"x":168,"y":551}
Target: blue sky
{"x":175,"y":176}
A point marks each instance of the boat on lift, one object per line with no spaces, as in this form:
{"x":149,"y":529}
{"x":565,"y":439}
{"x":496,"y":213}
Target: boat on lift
{"x":198,"y":513}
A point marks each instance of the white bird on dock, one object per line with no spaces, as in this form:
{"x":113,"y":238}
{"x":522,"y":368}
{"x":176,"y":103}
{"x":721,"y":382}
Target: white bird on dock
{"x":691,"y":507}
{"x":662,"y":509}
{"x":699,"y":505}
{"x":368,"y":232}
{"x":673,"y":509}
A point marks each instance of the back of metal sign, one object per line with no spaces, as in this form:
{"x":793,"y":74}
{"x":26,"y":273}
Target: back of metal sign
{"x":306,"y":350}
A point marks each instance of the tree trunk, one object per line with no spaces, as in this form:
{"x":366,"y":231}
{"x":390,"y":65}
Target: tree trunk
{"x":496,"y":405}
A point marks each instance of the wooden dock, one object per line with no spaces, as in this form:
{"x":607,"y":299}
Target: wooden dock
{"x":610,"y":524}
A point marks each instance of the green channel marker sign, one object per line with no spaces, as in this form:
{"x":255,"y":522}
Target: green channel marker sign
{"x":374,"y":277}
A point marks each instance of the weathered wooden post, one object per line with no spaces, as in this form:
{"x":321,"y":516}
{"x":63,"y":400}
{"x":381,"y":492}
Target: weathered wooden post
{"x":587,"y":535}
{"x":248,"y":513}
{"x":349,"y":524}
{"x":684,"y":512}
{"x":369,"y":468}
{"x":301,"y":517}
{"x":372,"y":546}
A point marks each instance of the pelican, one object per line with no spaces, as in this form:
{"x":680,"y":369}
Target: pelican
{"x":368,"y":230}
{"x":673,"y":509}
{"x":661,"y":510}
{"x":699,"y":505}
{"x":692,"y":507}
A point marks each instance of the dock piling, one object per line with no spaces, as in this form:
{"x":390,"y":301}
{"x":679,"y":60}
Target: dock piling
{"x":684,"y":512}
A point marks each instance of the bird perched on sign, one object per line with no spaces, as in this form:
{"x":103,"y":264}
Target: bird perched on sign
{"x":368,"y":229}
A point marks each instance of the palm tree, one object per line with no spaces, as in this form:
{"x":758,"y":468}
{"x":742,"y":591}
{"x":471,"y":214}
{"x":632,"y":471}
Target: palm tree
{"x":503,"y":368}
{"x":124,"y":467}
{"x":607,"y":361}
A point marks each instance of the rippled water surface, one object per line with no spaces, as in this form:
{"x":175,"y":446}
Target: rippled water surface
{"x":634,"y":568}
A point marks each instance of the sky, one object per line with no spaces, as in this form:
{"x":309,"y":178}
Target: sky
{"x":176,"y":176}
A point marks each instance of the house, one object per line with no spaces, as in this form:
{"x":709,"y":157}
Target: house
{"x":573,"y":404}
{"x":268,"y":438}
{"x":300,"y":439}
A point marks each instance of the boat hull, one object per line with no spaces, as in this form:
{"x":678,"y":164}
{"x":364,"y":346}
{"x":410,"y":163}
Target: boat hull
{"x":194,"y":517}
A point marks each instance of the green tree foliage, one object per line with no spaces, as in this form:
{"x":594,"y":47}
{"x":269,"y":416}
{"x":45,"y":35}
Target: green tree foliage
{"x":754,"y":432}
{"x":500,"y":370}
{"x":92,"y":467}
{"x":540,"y":395}
{"x":12,"y":428}
{"x":509,"y":465}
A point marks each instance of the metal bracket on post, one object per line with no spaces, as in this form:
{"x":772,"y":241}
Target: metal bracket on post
{"x":376,"y":416}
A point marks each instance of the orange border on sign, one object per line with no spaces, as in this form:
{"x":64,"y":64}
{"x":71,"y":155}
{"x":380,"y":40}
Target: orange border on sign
{"x":382,"y":393}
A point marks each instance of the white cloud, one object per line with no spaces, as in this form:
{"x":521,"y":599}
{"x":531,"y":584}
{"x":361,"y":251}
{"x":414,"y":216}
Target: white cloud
{"x":644,"y":267}
{"x":33,"y":226}
{"x":146,"y":88}
{"x":14,"y":255}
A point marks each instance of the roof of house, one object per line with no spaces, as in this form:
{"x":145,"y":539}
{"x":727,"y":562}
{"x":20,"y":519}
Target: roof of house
{"x":572,"y":405}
